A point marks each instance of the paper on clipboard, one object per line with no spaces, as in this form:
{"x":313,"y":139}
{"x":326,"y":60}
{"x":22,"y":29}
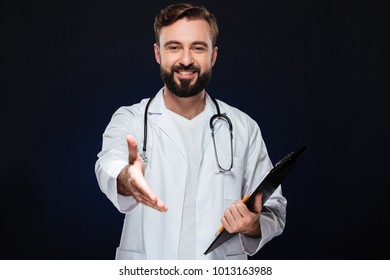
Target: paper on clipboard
{"x":268,"y":185}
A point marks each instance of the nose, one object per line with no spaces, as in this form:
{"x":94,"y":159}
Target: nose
{"x":186,"y":58}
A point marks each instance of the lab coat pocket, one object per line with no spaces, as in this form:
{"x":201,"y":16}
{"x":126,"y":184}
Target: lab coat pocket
{"x":242,"y":256}
{"x":233,"y":181}
{"x":128,"y":255}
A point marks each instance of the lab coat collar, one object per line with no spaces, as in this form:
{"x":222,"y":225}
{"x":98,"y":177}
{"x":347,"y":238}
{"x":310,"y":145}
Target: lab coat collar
{"x":158,"y":113}
{"x":157,"y":106}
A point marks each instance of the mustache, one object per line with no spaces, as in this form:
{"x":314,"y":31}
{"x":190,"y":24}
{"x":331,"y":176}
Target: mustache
{"x":192,"y":67}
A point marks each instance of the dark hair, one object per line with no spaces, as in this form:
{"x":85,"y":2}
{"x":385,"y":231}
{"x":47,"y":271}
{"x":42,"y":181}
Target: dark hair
{"x":174,"y":12}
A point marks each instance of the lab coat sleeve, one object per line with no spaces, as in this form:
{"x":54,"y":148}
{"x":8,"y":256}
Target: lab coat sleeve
{"x":273,"y":216}
{"x":114,"y":156}
{"x":272,"y":222}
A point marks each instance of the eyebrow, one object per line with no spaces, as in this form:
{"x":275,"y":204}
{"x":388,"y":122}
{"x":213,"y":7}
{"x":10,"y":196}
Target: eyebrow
{"x":200,"y":43}
{"x":179,"y":43}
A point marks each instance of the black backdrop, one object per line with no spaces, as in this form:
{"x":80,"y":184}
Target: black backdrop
{"x":310,"y":72}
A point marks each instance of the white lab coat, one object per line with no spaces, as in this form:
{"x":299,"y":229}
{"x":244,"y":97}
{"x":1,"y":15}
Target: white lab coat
{"x":149,"y":234}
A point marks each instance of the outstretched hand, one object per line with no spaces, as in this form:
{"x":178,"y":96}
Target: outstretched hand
{"x":131,"y":180}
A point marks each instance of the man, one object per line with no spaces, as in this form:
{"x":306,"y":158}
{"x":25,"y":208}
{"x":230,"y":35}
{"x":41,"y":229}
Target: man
{"x":190,"y":183}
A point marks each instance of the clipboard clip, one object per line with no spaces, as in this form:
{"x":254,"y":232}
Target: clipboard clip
{"x":283,"y":160}
{"x":291,"y":155}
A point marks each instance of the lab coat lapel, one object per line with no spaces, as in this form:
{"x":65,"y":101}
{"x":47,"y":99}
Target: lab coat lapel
{"x":159,"y":115}
{"x":161,"y":118}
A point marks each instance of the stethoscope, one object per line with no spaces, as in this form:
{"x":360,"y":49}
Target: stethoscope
{"x":213,"y":120}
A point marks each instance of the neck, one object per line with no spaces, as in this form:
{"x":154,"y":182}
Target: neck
{"x":187,"y":107}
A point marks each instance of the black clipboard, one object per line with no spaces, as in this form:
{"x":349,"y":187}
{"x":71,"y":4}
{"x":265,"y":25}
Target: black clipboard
{"x":268,"y":185}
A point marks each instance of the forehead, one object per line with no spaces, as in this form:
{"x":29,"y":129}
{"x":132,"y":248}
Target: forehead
{"x":186,"y":31}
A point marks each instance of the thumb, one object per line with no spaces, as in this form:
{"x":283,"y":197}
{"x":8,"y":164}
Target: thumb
{"x":132,"y":145}
{"x":258,"y":204}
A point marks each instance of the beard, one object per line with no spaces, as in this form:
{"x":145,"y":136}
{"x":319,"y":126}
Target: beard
{"x":184,"y":87}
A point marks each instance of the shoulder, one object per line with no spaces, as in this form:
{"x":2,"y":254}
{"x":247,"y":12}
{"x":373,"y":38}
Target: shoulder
{"x":138,"y":109}
{"x":236,"y":115}
{"x":135,"y":110}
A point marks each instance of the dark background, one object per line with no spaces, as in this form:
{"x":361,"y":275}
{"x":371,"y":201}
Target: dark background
{"x":310,"y":72}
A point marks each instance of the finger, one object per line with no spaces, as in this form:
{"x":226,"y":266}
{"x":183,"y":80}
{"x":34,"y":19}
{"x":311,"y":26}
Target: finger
{"x":241,"y":209}
{"x":140,"y":186}
{"x":141,"y":197}
{"x":258,"y":204}
{"x":145,"y":199}
{"x":232,"y":219}
{"x":159,"y":206}
{"x":228,"y":217}
{"x":132,"y":145}
{"x":143,"y":194}
{"x":226,"y":225}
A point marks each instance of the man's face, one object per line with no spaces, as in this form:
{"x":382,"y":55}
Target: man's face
{"x":186,"y":56}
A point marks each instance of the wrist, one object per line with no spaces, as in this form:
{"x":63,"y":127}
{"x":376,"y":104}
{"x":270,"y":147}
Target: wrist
{"x":254,"y":231}
{"x":122,"y":182}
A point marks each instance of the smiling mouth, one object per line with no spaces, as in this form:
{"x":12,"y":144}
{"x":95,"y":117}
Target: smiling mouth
{"x":186,"y":73}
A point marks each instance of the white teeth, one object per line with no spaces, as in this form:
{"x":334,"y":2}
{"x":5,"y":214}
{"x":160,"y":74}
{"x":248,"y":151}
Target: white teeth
{"x":185,"y":73}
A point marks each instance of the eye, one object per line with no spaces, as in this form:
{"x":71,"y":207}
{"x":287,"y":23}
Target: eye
{"x":199,"y":48}
{"x":173,"y":48}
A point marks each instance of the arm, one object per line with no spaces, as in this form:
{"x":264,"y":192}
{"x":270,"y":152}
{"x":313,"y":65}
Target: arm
{"x":113,"y":169}
{"x":257,"y":225}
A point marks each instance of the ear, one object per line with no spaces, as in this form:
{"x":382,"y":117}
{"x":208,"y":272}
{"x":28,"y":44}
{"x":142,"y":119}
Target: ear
{"x":157,"y":53}
{"x":214,"y":56}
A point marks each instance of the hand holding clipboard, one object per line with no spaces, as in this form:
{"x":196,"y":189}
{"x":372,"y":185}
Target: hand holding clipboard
{"x":269,"y":184}
{"x":243,"y":201}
